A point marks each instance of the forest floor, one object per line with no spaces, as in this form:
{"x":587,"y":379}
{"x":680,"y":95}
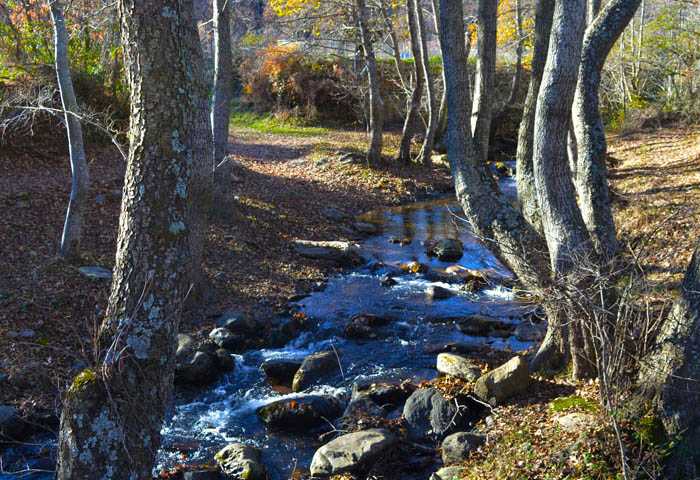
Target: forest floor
{"x":283,"y":185}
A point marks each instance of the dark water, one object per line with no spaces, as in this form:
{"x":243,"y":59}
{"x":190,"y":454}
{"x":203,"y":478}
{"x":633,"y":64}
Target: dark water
{"x":225,"y":412}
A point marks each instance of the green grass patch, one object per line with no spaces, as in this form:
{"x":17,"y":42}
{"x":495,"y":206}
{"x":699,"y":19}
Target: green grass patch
{"x":574,"y":402}
{"x":270,"y":124}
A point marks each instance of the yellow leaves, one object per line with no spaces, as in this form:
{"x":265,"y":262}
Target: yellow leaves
{"x":285,"y":8}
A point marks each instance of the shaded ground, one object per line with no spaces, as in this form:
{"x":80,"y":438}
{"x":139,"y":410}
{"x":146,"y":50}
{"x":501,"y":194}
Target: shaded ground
{"x":282,"y":184}
{"x":48,"y":310}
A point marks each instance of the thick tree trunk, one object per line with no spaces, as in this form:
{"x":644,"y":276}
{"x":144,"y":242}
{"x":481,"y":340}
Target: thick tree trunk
{"x":568,"y":241}
{"x":431,"y":129}
{"x":113,"y":413}
{"x":414,"y":101}
{"x":517,"y":76}
{"x":592,"y":173}
{"x":482,"y":104}
{"x":670,"y":374}
{"x":80,"y":177}
{"x":525,"y":178}
{"x":376,"y":105}
{"x":221,"y":101}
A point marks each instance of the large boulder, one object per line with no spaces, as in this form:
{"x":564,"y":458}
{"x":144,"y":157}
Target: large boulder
{"x":365,"y":326}
{"x":302,"y":413}
{"x":314,"y":368}
{"x":456,"y":447}
{"x":353,"y":452}
{"x":201,"y":368}
{"x":223,"y":338}
{"x":458,"y":366}
{"x":485,"y":326}
{"x":280,"y":372}
{"x":447,"y":249}
{"x":509,"y":379}
{"x":341,"y":253}
{"x":241,"y":462}
{"x":429,"y":415}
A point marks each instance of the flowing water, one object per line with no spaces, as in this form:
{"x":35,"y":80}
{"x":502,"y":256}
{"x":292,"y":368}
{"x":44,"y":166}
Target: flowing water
{"x":224,"y":413}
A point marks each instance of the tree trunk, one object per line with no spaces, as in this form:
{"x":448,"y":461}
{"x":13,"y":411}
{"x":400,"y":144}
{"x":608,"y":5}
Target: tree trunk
{"x":376,"y":105}
{"x":515,"y":85}
{"x":592,"y":11}
{"x":525,"y":179}
{"x":568,"y":241}
{"x":414,"y":101}
{"x":482,"y":104}
{"x":431,"y":129}
{"x":113,"y":413}
{"x":442,"y":110}
{"x":592,"y":173}
{"x":80,"y":177}
{"x":669,"y":375}
{"x":491,"y":215}
{"x":395,"y":46}
{"x":221,"y":101}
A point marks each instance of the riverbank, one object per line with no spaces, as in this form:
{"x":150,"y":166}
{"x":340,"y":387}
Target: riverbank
{"x":285,"y":187}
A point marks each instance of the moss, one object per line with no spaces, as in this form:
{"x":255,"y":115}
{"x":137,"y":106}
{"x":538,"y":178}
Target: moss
{"x":574,"y":402}
{"x":82,"y":380}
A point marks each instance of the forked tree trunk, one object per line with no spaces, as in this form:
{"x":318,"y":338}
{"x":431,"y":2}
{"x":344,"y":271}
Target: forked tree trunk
{"x":414,"y":101}
{"x":482,"y":104}
{"x":669,"y":375}
{"x":80,"y":176}
{"x":568,"y":241}
{"x":592,"y":172}
{"x":221,"y":100}
{"x":376,"y":105}
{"x":429,"y":141}
{"x":113,"y":413}
{"x":525,"y":178}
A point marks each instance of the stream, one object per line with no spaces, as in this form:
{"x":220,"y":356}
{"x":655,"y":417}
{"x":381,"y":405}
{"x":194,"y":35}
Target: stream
{"x":202,"y":423}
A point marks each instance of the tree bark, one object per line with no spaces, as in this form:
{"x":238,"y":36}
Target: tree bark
{"x":592,"y":10}
{"x":524,"y":174}
{"x":414,"y":101}
{"x":482,"y":104}
{"x":113,"y":413}
{"x":431,"y":129}
{"x":80,"y":176}
{"x":376,"y":105}
{"x":515,"y":85}
{"x":592,"y":172}
{"x":669,"y":376}
{"x":221,"y":101}
{"x":442,"y":110}
{"x":568,"y":241}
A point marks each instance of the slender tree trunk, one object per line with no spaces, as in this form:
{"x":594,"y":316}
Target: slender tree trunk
{"x":414,"y":101}
{"x":669,"y":376}
{"x":395,"y":47}
{"x":431,"y":129}
{"x":482,"y":104}
{"x":442,"y":110}
{"x":524,"y":174}
{"x":568,"y":241}
{"x":592,"y":10}
{"x":376,"y":105}
{"x":517,"y":76}
{"x":592,"y":172}
{"x":80,"y":176}
{"x":221,"y":101}
{"x":113,"y":413}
